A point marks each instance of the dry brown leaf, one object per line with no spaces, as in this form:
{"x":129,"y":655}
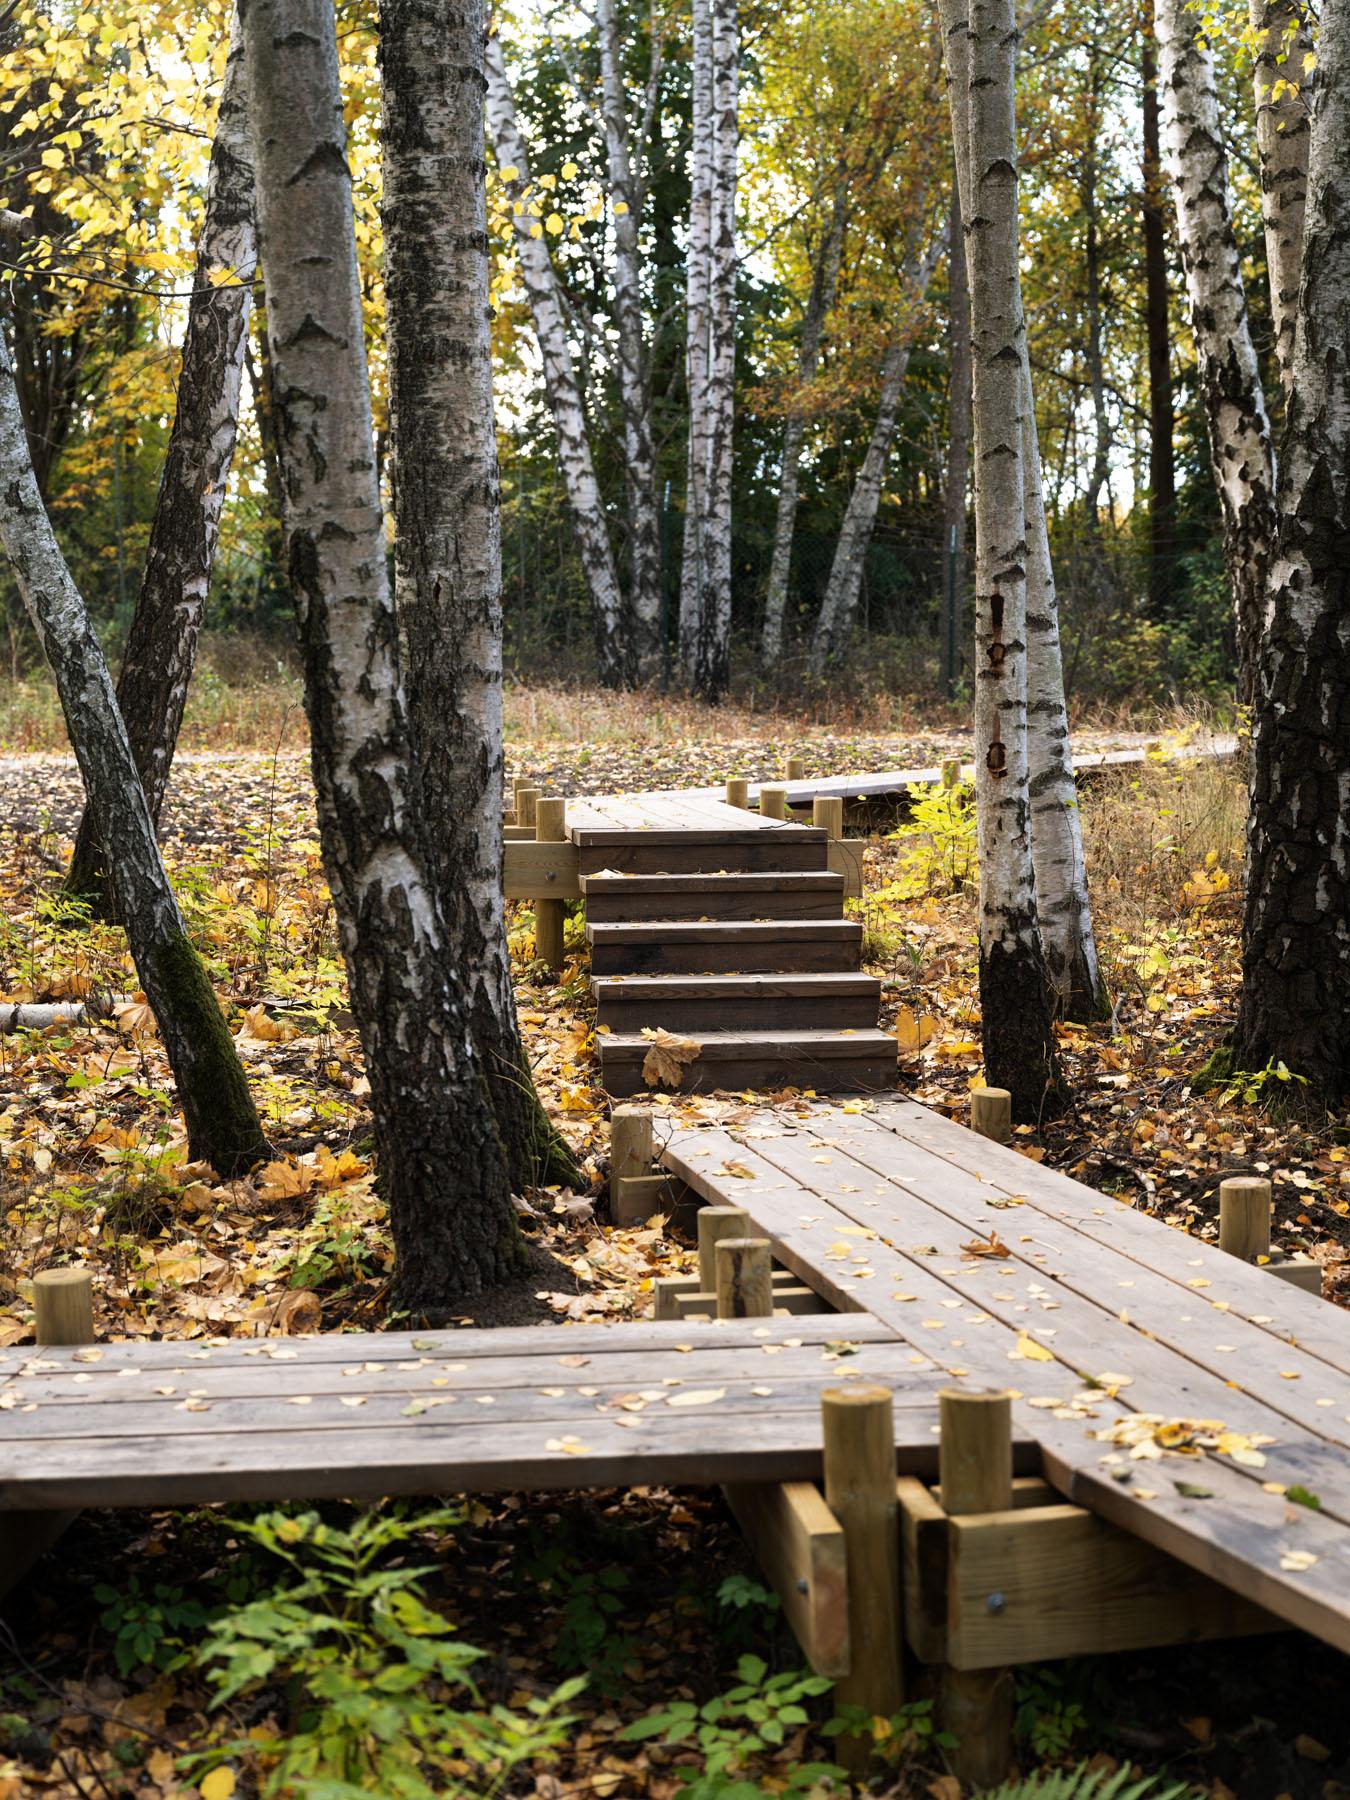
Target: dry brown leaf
{"x":664,"y":1064}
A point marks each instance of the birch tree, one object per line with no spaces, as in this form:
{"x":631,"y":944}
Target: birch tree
{"x":447,"y":536}
{"x":441,"y":1163}
{"x":1015,"y":1000}
{"x":1284,"y":48}
{"x":162,"y":643}
{"x":1295,"y":1004}
{"x":222,"y":1124}
{"x":1240,"y":448}
{"x":540,"y":281}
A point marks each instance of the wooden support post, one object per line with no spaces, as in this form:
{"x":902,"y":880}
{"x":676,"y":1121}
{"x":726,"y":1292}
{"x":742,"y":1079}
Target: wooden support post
{"x":991,"y":1113}
{"x":1244,"y":1217}
{"x":527,"y":799}
{"x":738,"y":792}
{"x":63,"y":1313}
{"x":632,"y":1148}
{"x":975,"y":1470}
{"x":666,"y":1290}
{"x":714,"y":1224}
{"x":796,"y":768}
{"x":859,"y":1438}
{"x":773,"y":800}
{"x":827,"y":812}
{"x":550,"y":827}
{"x":744,"y":1278}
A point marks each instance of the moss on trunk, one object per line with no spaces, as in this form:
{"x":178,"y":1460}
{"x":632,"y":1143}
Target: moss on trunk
{"x":222,"y":1121}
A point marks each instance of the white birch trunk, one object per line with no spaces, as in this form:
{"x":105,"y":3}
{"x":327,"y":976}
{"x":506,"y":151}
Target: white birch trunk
{"x":1296,"y":927}
{"x":1015,"y":1001}
{"x":824,"y":281}
{"x":634,"y":374}
{"x":1241,"y":453}
{"x":440,"y":1159}
{"x":223,"y":1127}
{"x":698,"y":281}
{"x":1283,"y":87}
{"x":560,"y":381}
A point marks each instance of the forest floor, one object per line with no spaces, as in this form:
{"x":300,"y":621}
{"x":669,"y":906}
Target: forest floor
{"x":649,"y":1593}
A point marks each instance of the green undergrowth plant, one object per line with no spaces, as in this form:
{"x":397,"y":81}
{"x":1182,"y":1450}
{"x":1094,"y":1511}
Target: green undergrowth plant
{"x":938,"y":838}
{"x":371,"y":1686}
{"x":1083,"y":1783}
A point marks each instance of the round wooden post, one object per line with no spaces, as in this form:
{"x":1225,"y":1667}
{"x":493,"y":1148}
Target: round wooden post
{"x":550,"y":827}
{"x":975,"y":1472}
{"x":714,"y":1224}
{"x":796,"y":768}
{"x":527,"y":799}
{"x":738,"y":792}
{"x":991,"y":1113}
{"x":517,"y":784}
{"x":773,"y":800}
{"x":827,"y":812}
{"x":744,"y":1278}
{"x":859,"y":1437}
{"x":63,"y":1306}
{"x":1244,"y":1217}
{"x":632,"y":1149}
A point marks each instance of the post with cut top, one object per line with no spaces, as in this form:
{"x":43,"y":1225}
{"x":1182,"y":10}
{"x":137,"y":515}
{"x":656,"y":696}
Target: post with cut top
{"x":773,"y":800}
{"x":991,"y":1113}
{"x":550,"y":827}
{"x":827,"y":814}
{"x":975,"y":1473}
{"x":527,"y":799}
{"x":632,"y":1146}
{"x":744,"y":1278}
{"x":714,"y":1224}
{"x":859,"y":1446}
{"x":1244,"y":1217}
{"x":796,"y":768}
{"x":738,"y":792}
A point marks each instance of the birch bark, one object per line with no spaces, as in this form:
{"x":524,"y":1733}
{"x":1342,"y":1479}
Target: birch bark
{"x":1296,"y":928}
{"x":1015,"y":1002}
{"x":698,"y":275}
{"x":222,"y":1124}
{"x":1162,"y":490}
{"x":634,"y":368}
{"x":1240,"y":448}
{"x":162,"y":644}
{"x":447,"y":538}
{"x":560,"y":382}
{"x":1283,"y":42}
{"x":824,"y":282}
{"x":440,"y":1158}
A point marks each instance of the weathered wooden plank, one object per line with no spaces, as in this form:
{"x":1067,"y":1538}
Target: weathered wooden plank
{"x":741,"y":947}
{"x":761,"y":1060}
{"x":800,"y":1547}
{"x":535,"y":871}
{"x":801,"y":894}
{"x":824,"y":1001}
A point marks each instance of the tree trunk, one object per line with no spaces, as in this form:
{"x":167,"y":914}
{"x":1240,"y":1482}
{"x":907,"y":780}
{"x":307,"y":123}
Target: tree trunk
{"x":698,"y":277}
{"x":1100,"y":470}
{"x":824,"y":281}
{"x":447,"y":537}
{"x":1283,"y":44}
{"x":634,"y":371}
{"x":958,"y":421}
{"x":1162,"y":490}
{"x":222,"y":1124}
{"x":1296,"y":948}
{"x":1015,"y":1002}
{"x":162,"y":644}
{"x":613,"y":652}
{"x":441,"y":1166}
{"x":1240,"y":449}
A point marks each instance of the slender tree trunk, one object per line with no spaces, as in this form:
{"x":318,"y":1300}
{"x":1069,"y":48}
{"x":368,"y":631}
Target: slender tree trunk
{"x":1094,"y":359}
{"x":222,"y":1124}
{"x":1283,"y":44}
{"x":1162,"y":491}
{"x":634,"y":364}
{"x":560,"y":382}
{"x":447,"y":539}
{"x":441,"y":1165}
{"x":824,"y":281}
{"x":698,"y":278}
{"x":162,"y":644}
{"x":1296,"y":944}
{"x":1015,"y":1001}
{"x":1240,"y":449}
{"x":958,"y":405}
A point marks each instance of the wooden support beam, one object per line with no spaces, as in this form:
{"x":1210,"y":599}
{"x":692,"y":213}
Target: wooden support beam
{"x":1298,"y":1271}
{"x":714,"y":1224}
{"x":550,"y":915}
{"x":744,"y":1278}
{"x":632,"y":1145}
{"x":738,"y":792}
{"x":991,"y":1113}
{"x":534,"y":871}
{"x":638,"y":1197}
{"x":975,"y":1466}
{"x":772,"y":800}
{"x":800,"y":1547}
{"x":788,"y":1301}
{"x":846,"y":859}
{"x":859,"y":1437}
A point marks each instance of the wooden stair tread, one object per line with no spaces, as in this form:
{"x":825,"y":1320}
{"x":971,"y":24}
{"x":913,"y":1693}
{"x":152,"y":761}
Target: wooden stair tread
{"x":813,"y":1042}
{"x":725,"y":882}
{"x":713,"y":931}
{"x":717,"y":987}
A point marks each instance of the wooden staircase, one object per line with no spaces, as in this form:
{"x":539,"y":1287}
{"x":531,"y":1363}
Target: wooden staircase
{"x":726,"y":930}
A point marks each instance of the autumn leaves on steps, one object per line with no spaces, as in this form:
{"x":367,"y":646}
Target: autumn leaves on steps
{"x":719,"y":954}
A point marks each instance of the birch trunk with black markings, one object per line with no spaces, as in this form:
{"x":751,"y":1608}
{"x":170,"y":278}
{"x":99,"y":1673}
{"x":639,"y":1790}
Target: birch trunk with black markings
{"x":447,"y":523}
{"x":441,"y":1165}
{"x":222,"y":1123}
{"x":1284,"y":47}
{"x":162,"y":643}
{"x":613,"y":652}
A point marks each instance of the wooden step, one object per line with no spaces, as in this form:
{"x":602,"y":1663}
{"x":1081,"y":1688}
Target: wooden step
{"x":831,"y":1062}
{"x":787,"y":894}
{"x":755,"y":1002}
{"x":756,"y":947}
{"x":703,"y":852}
